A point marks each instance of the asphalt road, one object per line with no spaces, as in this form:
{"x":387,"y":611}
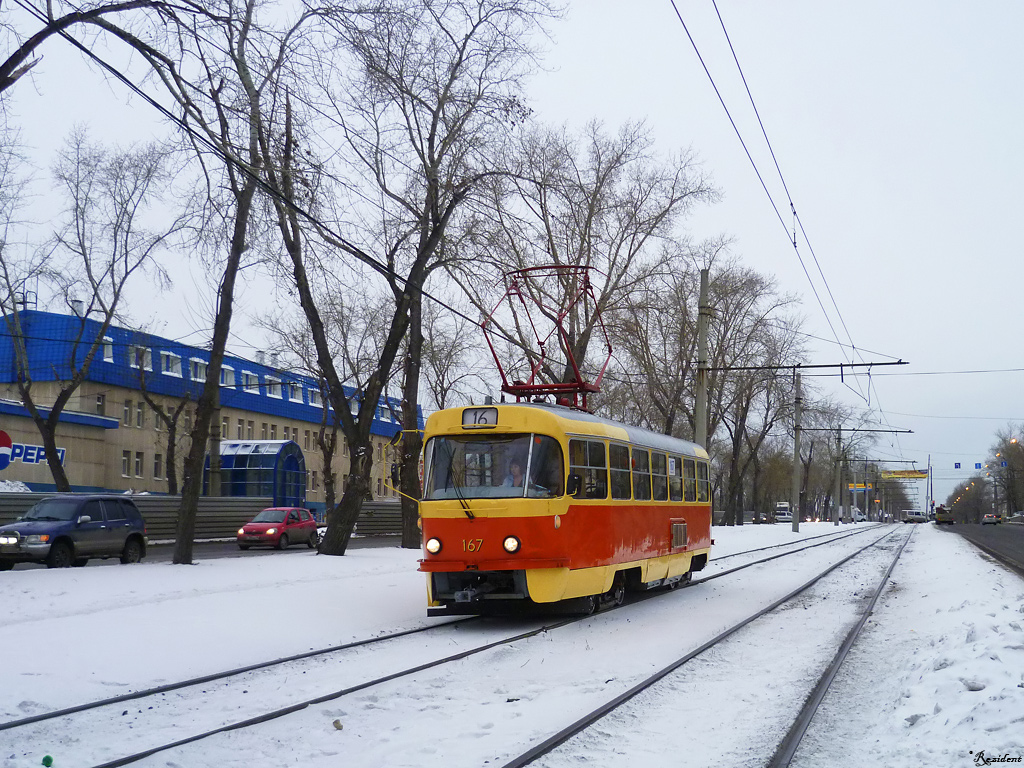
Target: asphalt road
{"x":1004,"y":542}
{"x":208,"y":550}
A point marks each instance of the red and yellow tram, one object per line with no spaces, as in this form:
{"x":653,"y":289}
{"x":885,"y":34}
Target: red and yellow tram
{"x":530,"y":503}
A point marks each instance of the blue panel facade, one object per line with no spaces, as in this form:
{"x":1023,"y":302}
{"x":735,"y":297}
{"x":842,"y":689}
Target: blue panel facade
{"x":52,"y":339}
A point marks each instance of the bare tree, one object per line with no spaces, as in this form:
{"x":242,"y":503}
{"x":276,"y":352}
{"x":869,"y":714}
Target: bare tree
{"x":421,"y":91}
{"x":450,"y":357}
{"x":169,"y":416}
{"x":589,"y":200}
{"x":46,"y":20}
{"x":225,"y":81}
{"x":100,"y":245}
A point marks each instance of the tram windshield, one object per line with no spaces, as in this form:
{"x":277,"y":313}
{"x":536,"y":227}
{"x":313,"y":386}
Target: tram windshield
{"x":494,"y":467}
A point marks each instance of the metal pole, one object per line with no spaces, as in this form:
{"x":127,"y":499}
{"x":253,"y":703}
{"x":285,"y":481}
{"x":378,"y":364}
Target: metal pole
{"x":700,"y":427}
{"x":867,"y":500}
{"x":838,"y":495}
{"x":213,"y":488}
{"x":797,"y":464}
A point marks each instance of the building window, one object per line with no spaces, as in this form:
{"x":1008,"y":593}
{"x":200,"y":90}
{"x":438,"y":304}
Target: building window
{"x":273,"y":387}
{"x":380,"y":451}
{"x":344,"y":447}
{"x":127,"y":418}
{"x":305,"y":441}
{"x":108,"y":349}
{"x":140,"y":357}
{"x":315,"y":483}
{"x":140,"y":414}
{"x":239,"y":429}
{"x":250,"y":382}
{"x":263,"y":431}
{"x":140,"y":458}
{"x":294,"y":392}
{"x":250,"y":428}
{"x":198,"y":369}
{"x":101,"y":405}
{"x":188,"y":419}
{"x":158,"y":466}
{"x":378,"y":487}
{"x":227,"y":376}
{"x":126,"y":463}
{"x":314,"y":397}
{"x":287,"y":433}
{"x":273,"y":431}
{"x":170,"y":363}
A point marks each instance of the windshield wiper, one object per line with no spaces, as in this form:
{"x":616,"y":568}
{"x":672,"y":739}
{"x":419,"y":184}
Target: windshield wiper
{"x":450,"y":476}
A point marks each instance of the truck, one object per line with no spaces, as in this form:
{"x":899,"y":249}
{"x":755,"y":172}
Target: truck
{"x":943,"y":515}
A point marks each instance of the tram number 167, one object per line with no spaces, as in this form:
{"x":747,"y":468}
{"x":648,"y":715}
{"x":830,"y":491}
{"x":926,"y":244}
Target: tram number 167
{"x":472,"y":545}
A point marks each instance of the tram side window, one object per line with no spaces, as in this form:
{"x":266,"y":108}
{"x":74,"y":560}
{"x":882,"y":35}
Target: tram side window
{"x":547,"y":472}
{"x":690,"y":474}
{"x":641,"y":474}
{"x":618,"y":459}
{"x":659,"y":476}
{"x":675,"y":478}
{"x":586,"y":459}
{"x":703,"y":483}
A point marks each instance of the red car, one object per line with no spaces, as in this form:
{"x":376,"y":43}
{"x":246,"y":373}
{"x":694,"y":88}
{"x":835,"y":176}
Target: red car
{"x":279,"y":527}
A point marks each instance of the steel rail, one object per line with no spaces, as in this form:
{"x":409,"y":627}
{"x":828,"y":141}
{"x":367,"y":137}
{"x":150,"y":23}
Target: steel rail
{"x":791,"y":741}
{"x":280,"y":712}
{"x":141,"y":694}
{"x":589,"y":719}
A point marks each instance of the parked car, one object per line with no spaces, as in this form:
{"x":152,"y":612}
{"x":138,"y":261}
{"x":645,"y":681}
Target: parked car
{"x":990,"y":519}
{"x":859,"y":517}
{"x":68,"y":530}
{"x":783,"y":516}
{"x":279,"y":527}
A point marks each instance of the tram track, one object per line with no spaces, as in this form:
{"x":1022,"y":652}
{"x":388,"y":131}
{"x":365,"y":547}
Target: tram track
{"x":787,"y":747}
{"x":218,"y":676}
{"x":158,"y":696}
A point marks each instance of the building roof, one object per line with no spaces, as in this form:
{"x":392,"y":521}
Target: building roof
{"x":169,"y":368}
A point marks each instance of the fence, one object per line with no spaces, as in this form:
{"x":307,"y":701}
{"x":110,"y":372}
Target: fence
{"x":218,"y":517}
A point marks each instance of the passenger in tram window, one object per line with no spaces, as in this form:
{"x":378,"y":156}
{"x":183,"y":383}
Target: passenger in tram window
{"x":515,"y":475}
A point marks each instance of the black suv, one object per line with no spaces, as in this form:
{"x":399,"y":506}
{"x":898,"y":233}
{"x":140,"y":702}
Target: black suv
{"x":68,"y":530}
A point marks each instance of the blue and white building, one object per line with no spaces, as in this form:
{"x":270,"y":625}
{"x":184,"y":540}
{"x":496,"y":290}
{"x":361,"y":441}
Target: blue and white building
{"x":110,"y":439}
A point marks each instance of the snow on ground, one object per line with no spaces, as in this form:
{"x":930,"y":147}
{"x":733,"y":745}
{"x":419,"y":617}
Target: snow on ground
{"x":937,"y":679}
{"x":13,"y":486}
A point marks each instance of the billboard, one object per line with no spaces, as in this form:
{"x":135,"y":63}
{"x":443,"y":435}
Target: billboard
{"x":905,"y":474}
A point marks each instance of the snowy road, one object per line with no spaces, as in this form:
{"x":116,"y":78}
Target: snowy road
{"x":950,"y":659}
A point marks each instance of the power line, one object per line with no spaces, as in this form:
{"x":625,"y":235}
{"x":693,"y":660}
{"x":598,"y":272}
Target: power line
{"x":761,"y":178}
{"x":350,"y":248}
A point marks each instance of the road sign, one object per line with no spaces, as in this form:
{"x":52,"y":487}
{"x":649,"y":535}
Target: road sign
{"x":957,"y":465}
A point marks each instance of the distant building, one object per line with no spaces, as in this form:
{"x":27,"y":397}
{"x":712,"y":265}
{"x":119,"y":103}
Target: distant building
{"x":110,"y":439}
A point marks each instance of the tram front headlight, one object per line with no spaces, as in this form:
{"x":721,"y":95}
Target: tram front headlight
{"x":511,"y":544}
{"x":433,"y":546}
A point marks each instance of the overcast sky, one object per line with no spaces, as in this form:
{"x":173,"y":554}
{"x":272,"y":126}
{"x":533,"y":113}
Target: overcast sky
{"x":897,"y":130}
{"x":895,"y":125}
